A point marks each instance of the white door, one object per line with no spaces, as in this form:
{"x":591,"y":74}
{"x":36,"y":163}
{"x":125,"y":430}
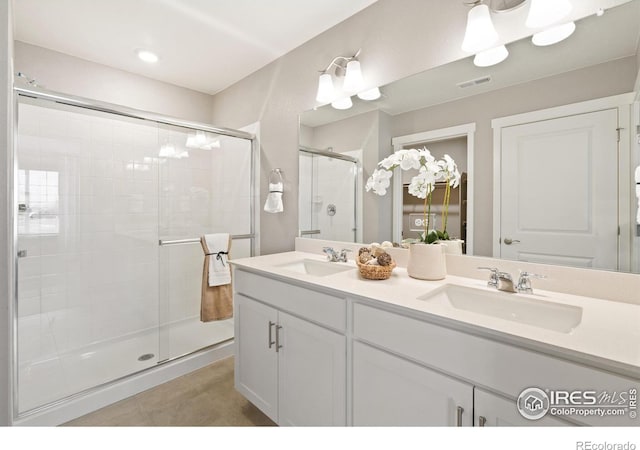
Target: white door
{"x":256,"y":363}
{"x":491,"y":410}
{"x":312,"y":372}
{"x":392,"y":391}
{"x":559,"y":190}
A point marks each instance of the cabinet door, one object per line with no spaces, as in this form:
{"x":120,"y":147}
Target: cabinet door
{"x":392,"y":391}
{"x":492,"y":410}
{"x":312,"y":374}
{"x":256,"y":363}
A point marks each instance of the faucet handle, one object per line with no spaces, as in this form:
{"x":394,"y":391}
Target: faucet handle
{"x":493,"y":280}
{"x":524,"y":282}
{"x":331,"y":253}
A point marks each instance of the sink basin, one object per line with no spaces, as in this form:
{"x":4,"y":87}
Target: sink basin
{"x":316,"y":268}
{"x":512,"y":307}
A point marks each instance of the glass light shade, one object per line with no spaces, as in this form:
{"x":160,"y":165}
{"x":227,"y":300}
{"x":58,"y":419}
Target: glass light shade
{"x":480,"y":34}
{"x":353,"y":81}
{"x":147,"y":56}
{"x":491,"y":57}
{"x":553,"y":35}
{"x":342,"y":103}
{"x":543,"y":13}
{"x":325,"y":88}
{"x":371,"y":94}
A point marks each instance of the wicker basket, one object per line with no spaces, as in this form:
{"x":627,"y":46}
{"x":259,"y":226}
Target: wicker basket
{"x":375,"y":272}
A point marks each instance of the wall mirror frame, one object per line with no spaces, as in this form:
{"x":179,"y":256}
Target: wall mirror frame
{"x":600,"y":60}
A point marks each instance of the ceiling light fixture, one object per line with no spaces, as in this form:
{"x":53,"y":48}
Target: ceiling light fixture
{"x":553,"y":35}
{"x":147,"y":56}
{"x":342,"y":103}
{"x":543,"y":13}
{"x":491,"y":57}
{"x":480,"y":33}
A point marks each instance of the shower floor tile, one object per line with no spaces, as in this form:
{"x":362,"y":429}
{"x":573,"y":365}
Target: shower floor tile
{"x":46,"y":376}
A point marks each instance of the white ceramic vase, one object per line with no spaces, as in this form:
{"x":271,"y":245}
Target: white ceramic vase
{"x":427,"y":261}
{"x":453,"y":246}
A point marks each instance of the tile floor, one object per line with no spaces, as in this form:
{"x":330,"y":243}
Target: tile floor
{"x":205,"y":397}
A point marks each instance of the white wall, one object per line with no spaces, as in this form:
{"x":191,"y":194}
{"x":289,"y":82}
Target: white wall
{"x":70,"y":75}
{"x":6,"y":260}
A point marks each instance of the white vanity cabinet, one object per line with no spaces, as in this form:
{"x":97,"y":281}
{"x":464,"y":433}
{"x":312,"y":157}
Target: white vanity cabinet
{"x":392,"y":391}
{"x":427,"y":365}
{"x":287,"y":363}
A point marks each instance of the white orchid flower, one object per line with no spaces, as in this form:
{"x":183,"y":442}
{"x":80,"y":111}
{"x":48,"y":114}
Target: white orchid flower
{"x":410,"y":160}
{"x":379,"y":181}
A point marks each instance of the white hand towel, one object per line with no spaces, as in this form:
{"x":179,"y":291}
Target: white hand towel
{"x":219,"y":270}
{"x":274,"y":199}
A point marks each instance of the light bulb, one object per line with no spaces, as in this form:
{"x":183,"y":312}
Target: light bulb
{"x":491,"y":57}
{"x":553,"y":35}
{"x":480,"y":34}
{"x":543,"y":13}
{"x":325,"y":88}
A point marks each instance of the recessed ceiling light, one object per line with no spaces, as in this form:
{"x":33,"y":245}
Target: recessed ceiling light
{"x":147,"y":56}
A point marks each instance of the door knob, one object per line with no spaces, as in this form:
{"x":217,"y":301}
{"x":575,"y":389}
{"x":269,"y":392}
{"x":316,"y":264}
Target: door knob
{"x":509,"y":241}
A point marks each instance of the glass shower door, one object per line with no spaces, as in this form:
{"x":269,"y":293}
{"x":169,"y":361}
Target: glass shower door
{"x":327,"y":197}
{"x":87,"y":300}
{"x":205,"y":188}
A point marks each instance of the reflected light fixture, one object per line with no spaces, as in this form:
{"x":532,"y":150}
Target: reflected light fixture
{"x":480,"y":33}
{"x":342,"y":103}
{"x":147,"y":56}
{"x":370,"y":94}
{"x":348,"y":69}
{"x":553,"y":35}
{"x":543,"y":13}
{"x":491,"y":57}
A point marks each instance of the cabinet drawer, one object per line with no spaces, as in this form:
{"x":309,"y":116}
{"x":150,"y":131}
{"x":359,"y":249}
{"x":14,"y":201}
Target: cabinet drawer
{"x":496,"y":365}
{"x":312,"y":305}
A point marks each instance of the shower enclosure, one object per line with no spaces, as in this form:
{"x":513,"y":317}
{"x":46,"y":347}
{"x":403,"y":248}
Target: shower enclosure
{"x":329,"y":192}
{"x":111,"y":204}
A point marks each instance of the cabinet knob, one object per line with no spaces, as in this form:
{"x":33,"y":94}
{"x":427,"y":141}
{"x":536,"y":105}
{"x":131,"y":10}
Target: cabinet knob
{"x":481,"y":421}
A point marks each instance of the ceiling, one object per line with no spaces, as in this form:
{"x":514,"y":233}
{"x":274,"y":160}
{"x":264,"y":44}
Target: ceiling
{"x":205,"y":45}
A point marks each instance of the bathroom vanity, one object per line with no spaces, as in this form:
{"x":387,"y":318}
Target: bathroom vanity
{"x":317,"y":345}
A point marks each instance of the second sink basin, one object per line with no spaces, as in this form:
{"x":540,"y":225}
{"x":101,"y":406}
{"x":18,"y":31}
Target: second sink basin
{"x":513,"y":307}
{"x":316,"y":268}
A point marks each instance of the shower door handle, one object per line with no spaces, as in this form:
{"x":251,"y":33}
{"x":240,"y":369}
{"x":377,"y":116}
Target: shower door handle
{"x":271,"y":341}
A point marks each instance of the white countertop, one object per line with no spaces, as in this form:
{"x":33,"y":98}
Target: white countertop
{"x":608,"y":336}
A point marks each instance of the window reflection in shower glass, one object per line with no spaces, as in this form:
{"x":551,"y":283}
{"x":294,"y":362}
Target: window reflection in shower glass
{"x":38,"y":202}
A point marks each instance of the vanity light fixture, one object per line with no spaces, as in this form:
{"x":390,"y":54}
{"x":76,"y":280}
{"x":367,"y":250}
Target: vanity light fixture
{"x":348,"y":69}
{"x":480,"y":33}
{"x":342,"y":103}
{"x":543,"y":13}
{"x":553,"y":35}
{"x":370,"y":94}
{"x":147,"y":56}
{"x":491,"y":57}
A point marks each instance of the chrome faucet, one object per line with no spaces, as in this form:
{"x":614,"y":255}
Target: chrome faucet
{"x":505,"y":282}
{"x":493,"y":278}
{"x":524,"y":282}
{"x":333,"y":256}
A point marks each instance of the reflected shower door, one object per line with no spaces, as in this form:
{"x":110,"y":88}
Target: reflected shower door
{"x":327,"y":197}
{"x":205,"y":187}
{"x":87,"y":300}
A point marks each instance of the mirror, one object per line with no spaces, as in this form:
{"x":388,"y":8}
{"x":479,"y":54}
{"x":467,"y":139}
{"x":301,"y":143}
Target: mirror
{"x":599,"y":60}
